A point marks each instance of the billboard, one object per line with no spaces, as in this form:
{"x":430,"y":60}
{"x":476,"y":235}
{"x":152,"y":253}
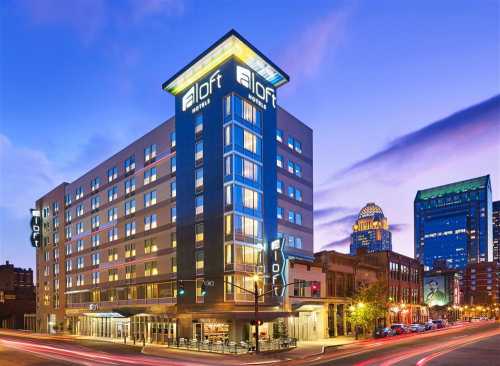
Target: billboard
{"x":435,"y":293}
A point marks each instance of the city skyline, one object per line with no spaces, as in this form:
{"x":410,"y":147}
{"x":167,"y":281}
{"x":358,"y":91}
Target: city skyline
{"x":359,"y":172}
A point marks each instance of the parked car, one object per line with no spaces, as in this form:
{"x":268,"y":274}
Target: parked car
{"x":398,"y":329}
{"x":416,"y":328}
{"x":440,"y":323}
{"x":430,"y":325}
{"x":381,"y":332}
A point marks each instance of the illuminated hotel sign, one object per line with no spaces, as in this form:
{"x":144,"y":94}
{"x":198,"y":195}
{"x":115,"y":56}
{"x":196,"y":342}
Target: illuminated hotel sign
{"x":36,"y":228}
{"x":259,"y":93}
{"x":198,"y":96}
{"x":278,"y":263}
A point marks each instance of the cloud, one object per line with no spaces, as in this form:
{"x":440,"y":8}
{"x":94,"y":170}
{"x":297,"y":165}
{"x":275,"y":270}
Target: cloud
{"x":313,"y":46}
{"x":329,"y":211}
{"x":89,"y":18}
{"x":345,"y":221}
{"x":340,"y":244}
{"x":460,"y":133}
{"x":26,"y":174}
{"x":395,"y":228}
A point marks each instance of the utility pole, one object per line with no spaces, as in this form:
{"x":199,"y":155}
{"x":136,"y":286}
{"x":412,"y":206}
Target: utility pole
{"x":256,"y":294}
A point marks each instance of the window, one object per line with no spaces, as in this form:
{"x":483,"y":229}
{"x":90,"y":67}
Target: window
{"x":290,"y":142}
{"x":80,"y":280}
{"x":79,"y":211}
{"x":228,"y":135}
{"x":78,"y":193}
{"x":173,"y":189}
{"x":150,"y":199}
{"x":299,"y":288}
{"x":279,"y":161}
{"x":298,"y":218}
{"x":150,"y":246}
{"x":112,"y":193}
{"x":112,"y":174}
{"x":150,"y":222}
{"x":199,"y":261}
{"x":112,"y":214}
{"x":94,"y":221}
{"x":173,"y":141}
{"x":173,"y":214}
{"x":298,"y":194}
{"x":95,"y":259}
{"x":173,"y":264}
{"x":112,"y":254}
{"x":198,"y":204}
{"x":129,"y":250}
{"x":129,"y":164}
{"x":130,"y":206}
{"x":250,"y":170}
{"x":227,"y":103}
{"x":250,"y":198}
{"x":55,"y":207}
{"x":67,"y":199}
{"x":95,"y":278}
{"x":150,"y":175}
{"x":281,"y":212}
{"x":67,"y":232}
{"x":112,"y":275}
{"x":198,"y":178}
{"x":198,"y":150}
{"x":298,"y":170}
{"x":113,"y":234}
{"x":95,"y":202}
{"x":198,"y":123}
{"x":95,"y":183}
{"x":279,"y":135}
{"x":67,"y":216}
{"x":199,"y":232}
{"x":229,"y":195}
{"x":69,"y":265}
{"x":129,"y":229}
{"x":173,"y":239}
{"x":228,"y":165}
{"x":130,"y":272}
{"x":249,"y":141}
{"x":298,"y":146}
{"x":69,"y":282}
{"x":55,"y":238}
{"x":291,"y":192}
{"x":290,"y":166}
{"x":173,"y":164}
{"x":69,"y":249}
{"x":279,"y":186}
{"x":80,"y":262}
{"x":79,"y":245}
{"x":150,"y":152}
{"x":150,"y":269}
{"x":130,"y":185}
{"x":95,"y":240}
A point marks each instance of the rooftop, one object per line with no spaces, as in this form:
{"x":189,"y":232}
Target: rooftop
{"x":454,"y":188}
{"x":231,"y":44}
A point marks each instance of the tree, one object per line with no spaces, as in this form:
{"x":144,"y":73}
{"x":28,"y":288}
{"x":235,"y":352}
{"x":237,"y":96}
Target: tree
{"x":369,"y":305}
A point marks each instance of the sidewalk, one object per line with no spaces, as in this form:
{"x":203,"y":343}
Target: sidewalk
{"x":304,"y":349}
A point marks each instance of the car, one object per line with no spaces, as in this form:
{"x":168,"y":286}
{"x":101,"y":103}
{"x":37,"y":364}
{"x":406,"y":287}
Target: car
{"x":416,"y":327}
{"x":430,"y":325}
{"x":398,"y":329}
{"x":382,"y":332}
{"x":440,"y":323}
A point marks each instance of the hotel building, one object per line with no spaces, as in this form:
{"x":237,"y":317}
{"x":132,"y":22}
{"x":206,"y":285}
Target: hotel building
{"x":162,"y":239}
{"x":371,"y":230}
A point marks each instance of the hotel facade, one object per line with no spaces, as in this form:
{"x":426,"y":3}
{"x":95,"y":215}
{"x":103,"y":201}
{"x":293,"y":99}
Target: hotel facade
{"x":168,"y":237}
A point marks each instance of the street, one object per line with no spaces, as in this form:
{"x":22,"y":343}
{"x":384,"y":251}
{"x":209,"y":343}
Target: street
{"x":467,"y":344}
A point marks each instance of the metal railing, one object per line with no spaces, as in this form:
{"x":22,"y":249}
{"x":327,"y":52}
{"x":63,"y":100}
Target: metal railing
{"x":231,"y":347}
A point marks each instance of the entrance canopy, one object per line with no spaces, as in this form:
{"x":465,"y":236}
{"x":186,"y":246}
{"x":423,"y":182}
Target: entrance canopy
{"x":104,"y":315}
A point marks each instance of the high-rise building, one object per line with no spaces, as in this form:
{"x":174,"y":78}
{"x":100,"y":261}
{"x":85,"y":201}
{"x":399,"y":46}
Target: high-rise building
{"x":371,"y":230}
{"x":453,"y":223}
{"x":496,"y":231}
{"x":170,"y":230}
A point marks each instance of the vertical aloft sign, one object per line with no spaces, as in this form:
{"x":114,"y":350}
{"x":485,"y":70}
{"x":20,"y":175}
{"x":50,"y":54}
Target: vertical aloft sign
{"x":36,"y":228}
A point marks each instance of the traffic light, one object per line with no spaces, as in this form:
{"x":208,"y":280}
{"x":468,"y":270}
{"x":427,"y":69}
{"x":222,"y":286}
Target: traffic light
{"x":203,"y":289}
{"x":314,"y":288}
{"x":258,"y":322}
{"x":181,"y":290}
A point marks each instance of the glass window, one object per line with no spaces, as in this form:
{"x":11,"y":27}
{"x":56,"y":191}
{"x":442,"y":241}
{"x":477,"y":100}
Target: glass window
{"x":199,"y":178}
{"x":173,"y":189}
{"x":198,"y":154}
{"x":173,"y":214}
{"x":198,"y":123}
{"x":199,"y":232}
{"x":149,"y":199}
{"x":150,"y":152}
{"x":228,"y":135}
{"x":279,"y":186}
{"x":279,"y":135}
{"x":150,"y":175}
{"x":150,"y":246}
{"x":173,"y":141}
{"x":130,"y":228}
{"x":249,"y":141}
{"x":291,"y":192}
{"x":281,"y":212}
{"x":199,"y":205}
{"x":173,"y":164}
{"x":279,"y":161}
{"x":129,"y":164}
{"x":130,"y":206}
{"x":150,"y":222}
{"x":290,"y":142}
{"x":112,"y":174}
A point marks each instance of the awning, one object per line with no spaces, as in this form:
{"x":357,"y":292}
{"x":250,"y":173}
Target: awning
{"x":104,"y":315}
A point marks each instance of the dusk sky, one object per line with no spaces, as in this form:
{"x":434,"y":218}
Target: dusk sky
{"x":401,"y":95}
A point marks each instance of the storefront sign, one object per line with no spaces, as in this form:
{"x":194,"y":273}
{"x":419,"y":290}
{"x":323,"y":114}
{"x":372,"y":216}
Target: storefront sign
{"x":198,"y":96}
{"x":36,"y":228}
{"x":259,"y":93}
{"x":278,"y":266}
